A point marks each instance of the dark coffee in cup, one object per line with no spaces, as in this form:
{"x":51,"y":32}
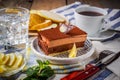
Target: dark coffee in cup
{"x":90,"y":13}
{"x":90,"y":19}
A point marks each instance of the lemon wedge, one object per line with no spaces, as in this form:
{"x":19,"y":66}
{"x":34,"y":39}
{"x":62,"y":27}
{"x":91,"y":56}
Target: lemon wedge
{"x":12,"y":59}
{"x":18,"y":62}
{"x":6,"y":59}
{"x":1,"y":58}
{"x":11,"y":10}
{"x":73,"y":51}
{"x":51,"y":15}
{"x":2,"y":68}
{"x":11,"y":63}
{"x":48,"y":15}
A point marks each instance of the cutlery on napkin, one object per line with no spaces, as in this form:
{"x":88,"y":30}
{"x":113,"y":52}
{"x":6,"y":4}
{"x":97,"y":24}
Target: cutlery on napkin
{"x":115,"y":67}
{"x":92,"y":69}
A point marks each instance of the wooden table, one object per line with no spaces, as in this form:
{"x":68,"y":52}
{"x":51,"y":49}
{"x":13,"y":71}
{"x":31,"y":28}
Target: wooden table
{"x":52,"y":4}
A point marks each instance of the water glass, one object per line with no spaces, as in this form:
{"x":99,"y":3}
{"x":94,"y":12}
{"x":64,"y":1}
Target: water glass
{"x":14,"y":29}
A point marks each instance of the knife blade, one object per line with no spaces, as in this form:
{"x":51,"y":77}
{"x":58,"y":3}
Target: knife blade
{"x":91,"y":69}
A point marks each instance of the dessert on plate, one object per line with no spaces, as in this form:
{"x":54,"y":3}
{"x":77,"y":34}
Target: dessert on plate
{"x":61,"y":38}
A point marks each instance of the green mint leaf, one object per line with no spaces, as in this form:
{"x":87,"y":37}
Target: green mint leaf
{"x":46,"y":62}
{"x":47,"y":72}
{"x":30,"y":72}
{"x":35,"y":79}
{"x":43,"y":78}
{"x":40,"y":62}
{"x":39,"y":72}
{"x":27,"y":78}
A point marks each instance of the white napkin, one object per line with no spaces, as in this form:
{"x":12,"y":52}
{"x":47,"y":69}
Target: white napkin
{"x":112,"y":77}
{"x":115,"y":67}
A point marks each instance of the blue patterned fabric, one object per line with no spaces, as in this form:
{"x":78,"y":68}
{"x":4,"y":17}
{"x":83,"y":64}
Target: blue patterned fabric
{"x":103,"y":75}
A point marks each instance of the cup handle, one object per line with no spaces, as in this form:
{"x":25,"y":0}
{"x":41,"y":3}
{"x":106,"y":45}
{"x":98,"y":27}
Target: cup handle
{"x":105,"y":24}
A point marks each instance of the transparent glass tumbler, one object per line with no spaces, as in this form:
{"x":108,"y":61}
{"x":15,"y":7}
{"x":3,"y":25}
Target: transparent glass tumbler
{"x":14,"y":30}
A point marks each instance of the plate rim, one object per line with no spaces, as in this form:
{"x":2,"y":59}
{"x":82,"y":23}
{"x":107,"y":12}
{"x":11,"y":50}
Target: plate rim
{"x":88,"y":54}
{"x":99,"y":38}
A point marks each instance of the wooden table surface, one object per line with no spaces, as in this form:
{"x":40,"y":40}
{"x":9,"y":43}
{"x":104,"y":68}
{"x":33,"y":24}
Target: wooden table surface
{"x":52,"y":4}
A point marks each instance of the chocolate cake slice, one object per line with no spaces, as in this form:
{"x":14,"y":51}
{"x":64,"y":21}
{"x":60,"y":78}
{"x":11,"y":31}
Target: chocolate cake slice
{"x":54,"y":41}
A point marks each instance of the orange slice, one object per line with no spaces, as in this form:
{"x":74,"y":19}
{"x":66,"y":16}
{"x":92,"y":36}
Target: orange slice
{"x":35,"y":19}
{"x":41,"y":25}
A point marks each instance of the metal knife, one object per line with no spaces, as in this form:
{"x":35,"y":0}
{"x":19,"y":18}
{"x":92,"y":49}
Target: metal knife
{"x":91,"y":69}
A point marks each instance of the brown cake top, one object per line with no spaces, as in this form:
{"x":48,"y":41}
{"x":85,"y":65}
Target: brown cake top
{"x":55,"y":33}
{"x":54,"y":37}
{"x":52,"y":34}
{"x":75,"y":31}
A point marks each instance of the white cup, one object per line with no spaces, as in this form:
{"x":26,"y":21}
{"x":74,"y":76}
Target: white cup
{"x":90,"y":23}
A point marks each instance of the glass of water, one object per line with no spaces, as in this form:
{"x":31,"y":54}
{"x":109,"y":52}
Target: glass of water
{"x":14,"y":29}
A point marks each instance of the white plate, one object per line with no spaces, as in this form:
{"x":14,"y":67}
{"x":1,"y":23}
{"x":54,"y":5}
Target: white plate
{"x":102,"y":35}
{"x":9,"y":73}
{"x":83,"y":53}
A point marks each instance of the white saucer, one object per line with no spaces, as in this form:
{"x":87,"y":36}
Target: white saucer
{"x":101,"y":36}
